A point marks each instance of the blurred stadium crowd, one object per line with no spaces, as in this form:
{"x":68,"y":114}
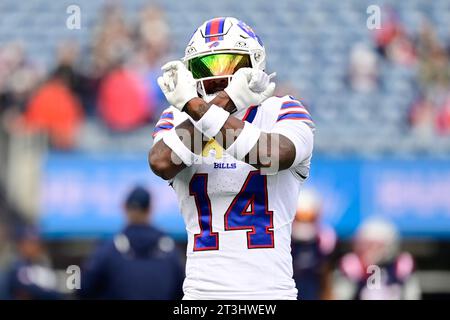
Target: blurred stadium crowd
{"x":400,"y":73}
{"x":113,"y":81}
{"x":370,"y":92}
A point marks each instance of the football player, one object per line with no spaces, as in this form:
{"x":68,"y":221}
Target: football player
{"x":377,"y":269}
{"x":237,"y":186}
{"x":312,"y":245}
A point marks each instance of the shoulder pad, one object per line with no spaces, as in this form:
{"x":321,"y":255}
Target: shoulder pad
{"x":351,"y":267}
{"x":404,"y":265}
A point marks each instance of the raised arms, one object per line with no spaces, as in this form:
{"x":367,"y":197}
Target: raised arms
{"x":214,"y":120}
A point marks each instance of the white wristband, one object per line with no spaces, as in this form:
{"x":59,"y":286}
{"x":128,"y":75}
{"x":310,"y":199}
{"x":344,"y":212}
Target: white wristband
{"x":245,"y":141}
{"x":212,"y":121}
{"x":172,"y":140}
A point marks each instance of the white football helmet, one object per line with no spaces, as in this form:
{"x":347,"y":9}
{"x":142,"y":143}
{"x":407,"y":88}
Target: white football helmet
{"x":217,"y":49}
{"x":377,"y":241}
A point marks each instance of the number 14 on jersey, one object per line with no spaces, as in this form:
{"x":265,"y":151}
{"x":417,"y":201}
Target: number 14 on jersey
{"x":248,"y":211}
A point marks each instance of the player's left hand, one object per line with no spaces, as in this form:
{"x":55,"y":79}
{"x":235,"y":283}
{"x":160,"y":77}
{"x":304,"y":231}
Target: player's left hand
{"x":177,"y":84}
{"x":250,"y":87}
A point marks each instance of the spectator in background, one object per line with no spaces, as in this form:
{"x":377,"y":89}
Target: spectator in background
{"x":430,"y":114}
{"x":363,"y":69}
{"x":392,"y":40}
{"x":67,"y":56}
{"x":112,"y":41}
{"x":154,"y":35}
{"x":312,"y":245}
{"x":123,"y":100}
{"x":434,"y":64}
{"x":31,"y":276}
{"x":55,"y":110}
{"x":390,"y":29}
{"x":153,"y":32}
{"x":80,"y":82}
{"x":377,"y":245}
{"x":140,"y":263}
{"x":18,"y":78}
{"x":422,"y":116}
{"x":128,"y":94}
{"x":443,"y":116}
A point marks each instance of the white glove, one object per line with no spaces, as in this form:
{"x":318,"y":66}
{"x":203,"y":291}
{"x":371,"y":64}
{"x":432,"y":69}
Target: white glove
{"x":250,"y":87}
{"x":177,"y":84}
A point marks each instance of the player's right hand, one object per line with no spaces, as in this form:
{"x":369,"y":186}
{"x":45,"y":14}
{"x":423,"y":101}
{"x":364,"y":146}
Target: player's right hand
{"x":177,"y":84}
{"x":249,"y":87}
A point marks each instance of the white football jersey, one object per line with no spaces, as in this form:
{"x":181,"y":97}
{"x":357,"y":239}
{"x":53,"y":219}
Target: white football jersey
{"x":238,"y":221}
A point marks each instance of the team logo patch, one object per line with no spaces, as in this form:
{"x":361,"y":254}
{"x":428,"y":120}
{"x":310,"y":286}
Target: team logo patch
{"x":214,"y":44}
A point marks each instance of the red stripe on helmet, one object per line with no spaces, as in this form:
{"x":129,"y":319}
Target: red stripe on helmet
{"x":214,"y":29}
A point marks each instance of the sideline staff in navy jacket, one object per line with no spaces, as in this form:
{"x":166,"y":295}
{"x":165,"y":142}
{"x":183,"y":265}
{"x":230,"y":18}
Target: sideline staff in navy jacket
{"x":139,"y":263}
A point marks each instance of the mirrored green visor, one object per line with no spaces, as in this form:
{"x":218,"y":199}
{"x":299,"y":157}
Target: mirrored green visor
{"x":219,"y":64}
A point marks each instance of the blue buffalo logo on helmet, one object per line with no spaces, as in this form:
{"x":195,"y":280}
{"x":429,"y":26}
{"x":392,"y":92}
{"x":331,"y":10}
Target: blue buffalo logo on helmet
{"x":214,"y":44}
